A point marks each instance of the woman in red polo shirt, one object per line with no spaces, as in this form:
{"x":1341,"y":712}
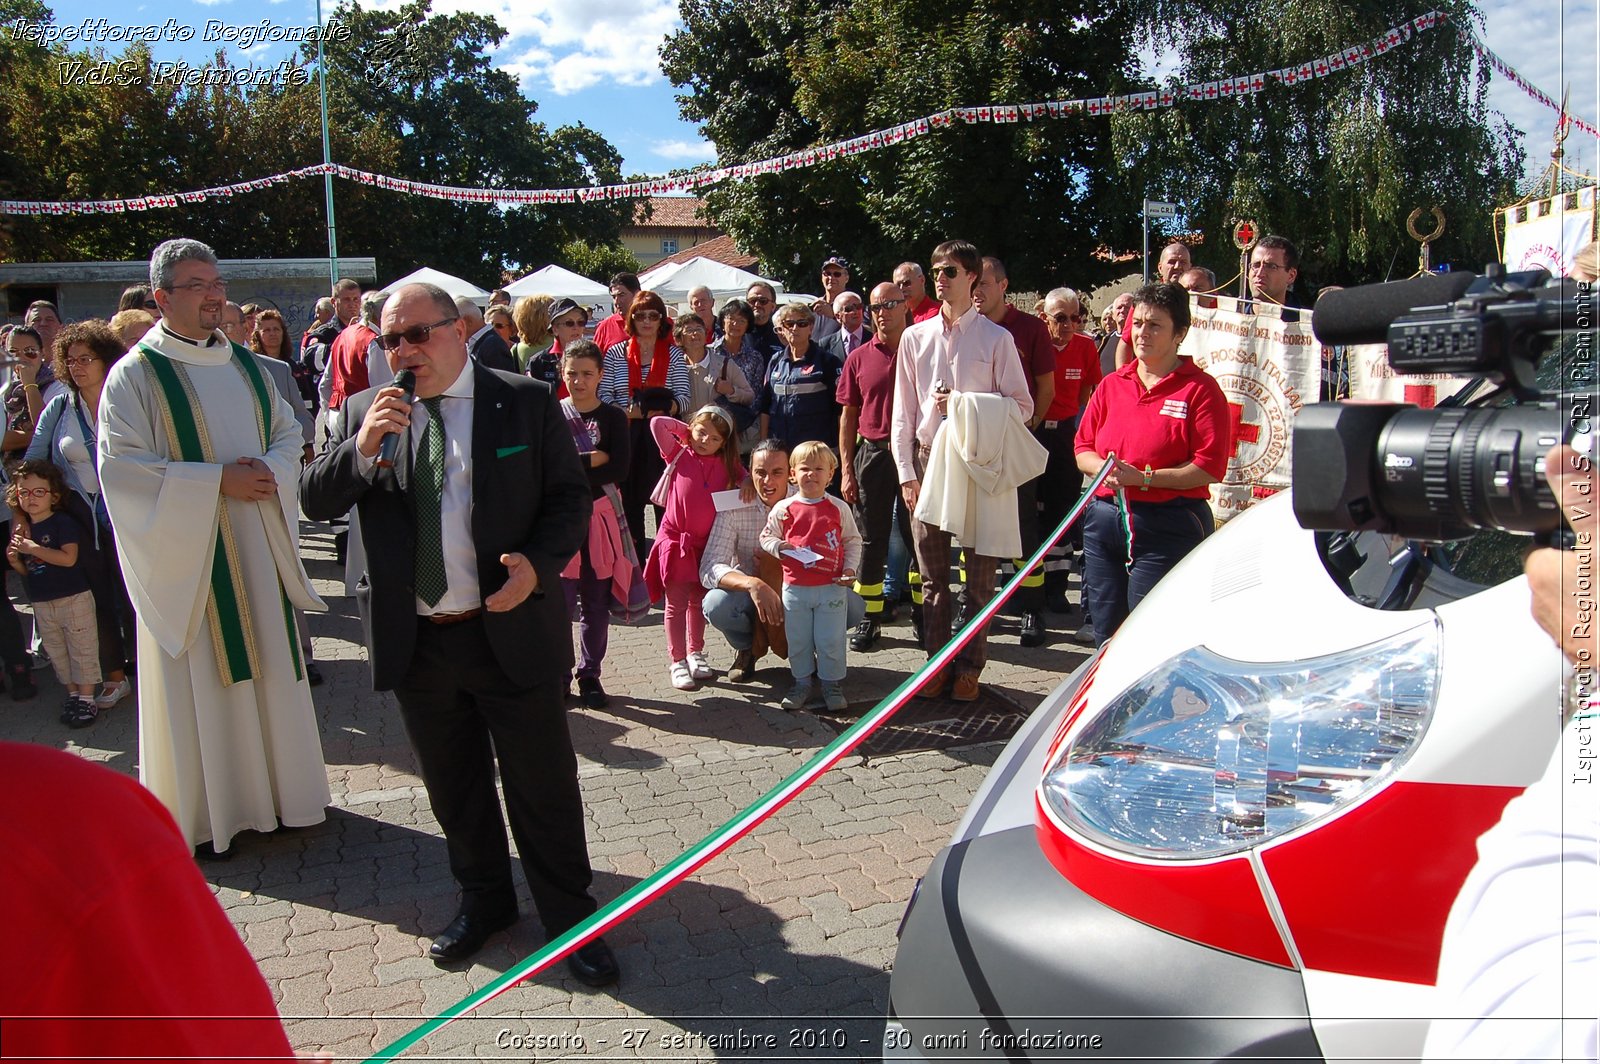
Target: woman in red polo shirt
{"x":1166,"y":421}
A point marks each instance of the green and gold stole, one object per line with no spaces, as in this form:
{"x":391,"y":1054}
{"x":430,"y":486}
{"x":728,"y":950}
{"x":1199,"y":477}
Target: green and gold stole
{"x":227,"y":605}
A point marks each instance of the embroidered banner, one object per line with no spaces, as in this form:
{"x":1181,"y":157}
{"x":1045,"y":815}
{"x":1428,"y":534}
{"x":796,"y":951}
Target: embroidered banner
{"x":1269,"y":366}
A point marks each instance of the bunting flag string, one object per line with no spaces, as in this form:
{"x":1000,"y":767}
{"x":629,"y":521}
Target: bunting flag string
{"x":1149,"y":100}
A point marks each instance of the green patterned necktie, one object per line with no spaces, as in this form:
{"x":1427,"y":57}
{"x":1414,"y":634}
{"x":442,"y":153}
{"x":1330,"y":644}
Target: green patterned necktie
{"x":427,"y":496}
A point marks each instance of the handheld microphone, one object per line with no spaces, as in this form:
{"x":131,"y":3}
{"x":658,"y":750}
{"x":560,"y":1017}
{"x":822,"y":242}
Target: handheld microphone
{"x":407,"y":382}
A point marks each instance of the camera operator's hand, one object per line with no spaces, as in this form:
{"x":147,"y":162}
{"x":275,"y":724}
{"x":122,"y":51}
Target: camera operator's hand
{"x":1563,"y":581}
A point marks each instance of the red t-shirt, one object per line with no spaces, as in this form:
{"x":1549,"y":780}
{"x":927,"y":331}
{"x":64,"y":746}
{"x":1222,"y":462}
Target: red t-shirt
{"x":347,"y":361}
{"x":610,"y":332}
{"x":110,"y":917}
{"x":867,"y":381}
{"x":817,"y":524}
{"x":1032,"y":337}
{"x":1183,"y":419}
{"x":1076,"y":363}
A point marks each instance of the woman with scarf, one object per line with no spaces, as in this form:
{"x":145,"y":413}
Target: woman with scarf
{"x":645,"y":375}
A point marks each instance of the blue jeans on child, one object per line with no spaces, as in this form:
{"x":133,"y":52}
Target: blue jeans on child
{"x":816,"y":621}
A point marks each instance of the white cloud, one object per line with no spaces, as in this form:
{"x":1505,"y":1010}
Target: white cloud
{"x":566,"y":46}
{"x":684,"y":151}
{"x":1552,"y":44}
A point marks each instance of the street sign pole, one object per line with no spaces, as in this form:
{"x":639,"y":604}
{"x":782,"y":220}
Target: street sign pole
{"x":1154,"y":209}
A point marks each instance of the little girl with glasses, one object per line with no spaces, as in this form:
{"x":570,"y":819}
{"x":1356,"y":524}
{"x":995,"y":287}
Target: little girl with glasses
{"x":44,"y":549}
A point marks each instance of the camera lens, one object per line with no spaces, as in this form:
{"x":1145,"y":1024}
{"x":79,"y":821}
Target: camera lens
{"x":1454,"y":469}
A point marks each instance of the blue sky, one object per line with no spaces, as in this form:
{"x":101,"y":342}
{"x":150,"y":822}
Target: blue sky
{"x":597,"y":62}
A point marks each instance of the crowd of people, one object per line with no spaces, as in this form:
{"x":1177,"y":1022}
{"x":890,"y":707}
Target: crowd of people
{"x":785,"y":473}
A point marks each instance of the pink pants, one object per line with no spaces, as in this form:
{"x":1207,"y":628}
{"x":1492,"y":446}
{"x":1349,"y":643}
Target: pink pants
{"x":684,"y":618}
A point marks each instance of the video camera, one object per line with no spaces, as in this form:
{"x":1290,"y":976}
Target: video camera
{"x":1443,"y":473}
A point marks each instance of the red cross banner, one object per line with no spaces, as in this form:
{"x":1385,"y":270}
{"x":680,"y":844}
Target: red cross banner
{"x":1374,"y":380}
{"x":1269,"y":366}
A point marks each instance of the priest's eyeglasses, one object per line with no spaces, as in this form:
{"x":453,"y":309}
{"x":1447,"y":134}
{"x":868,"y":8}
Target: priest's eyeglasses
{"x":416,"y":336}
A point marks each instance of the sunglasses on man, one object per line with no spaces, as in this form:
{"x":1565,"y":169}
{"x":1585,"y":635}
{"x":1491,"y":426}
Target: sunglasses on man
{"x":416,"y":336}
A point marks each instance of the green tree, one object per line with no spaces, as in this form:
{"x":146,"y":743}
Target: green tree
{"x":769,"y":78}
{"x":598,"y":262}
{"x":1336,"y":163}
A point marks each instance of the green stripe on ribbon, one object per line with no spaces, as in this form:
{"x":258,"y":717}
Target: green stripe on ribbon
{"x":685,"y":864}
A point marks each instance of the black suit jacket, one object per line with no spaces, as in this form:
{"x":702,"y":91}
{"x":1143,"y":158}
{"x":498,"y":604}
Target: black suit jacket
{"x":839,"y":348}
{"x":492,"y":352}
{"x":530,"y":496}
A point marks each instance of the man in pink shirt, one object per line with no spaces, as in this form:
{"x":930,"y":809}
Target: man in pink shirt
{"x":957,"y":350}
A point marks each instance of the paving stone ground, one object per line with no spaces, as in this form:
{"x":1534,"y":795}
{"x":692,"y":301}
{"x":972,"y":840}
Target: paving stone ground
{"x":778,"y":949}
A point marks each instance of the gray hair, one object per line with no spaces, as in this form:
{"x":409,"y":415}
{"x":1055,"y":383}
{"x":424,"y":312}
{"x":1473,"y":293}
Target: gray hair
{"x":165,"y":258}
{"x":467,"y":309}
{"x":697,"y":289}
{"x":372,"y":306}
{"x":845,"y":295}
{"x":325,"y":304}
{"x":1063,"y":295}
{"x":914,"y":267}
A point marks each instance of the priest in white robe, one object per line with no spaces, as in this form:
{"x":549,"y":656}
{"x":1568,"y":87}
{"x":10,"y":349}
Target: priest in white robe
{"x":199,"y":462}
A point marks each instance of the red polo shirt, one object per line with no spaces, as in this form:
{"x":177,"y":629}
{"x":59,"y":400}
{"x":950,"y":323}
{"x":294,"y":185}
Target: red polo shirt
{"x":610,"y":332}
{"x":1183,"y":419}
{"x":929,"y":309}
{"x":1076,"y":363}
{"x":1032,"y":338}
{"x":868,"y":382}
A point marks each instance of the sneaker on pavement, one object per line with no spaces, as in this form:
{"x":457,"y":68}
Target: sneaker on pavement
{"x":682,"y":678}
{"x":699,"y":667}
{"x":833,"y":697}
{"x":112,"y":693}
{"x":79,"y":712}
{"x":1085,"y":636}
{"x":864,"y":636}
{"x":744,"y":667}
{"x":798,"y":695}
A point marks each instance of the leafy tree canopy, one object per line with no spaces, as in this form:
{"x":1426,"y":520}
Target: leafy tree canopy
{"x":1336,"y":164}
{"x":410,"y":93}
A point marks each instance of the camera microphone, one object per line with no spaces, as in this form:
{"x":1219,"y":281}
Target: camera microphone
{"x":407,"y":382}
{"x":1363,"y":315}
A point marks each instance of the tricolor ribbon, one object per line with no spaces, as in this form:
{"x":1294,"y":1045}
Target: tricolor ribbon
{"x":641,"y":894}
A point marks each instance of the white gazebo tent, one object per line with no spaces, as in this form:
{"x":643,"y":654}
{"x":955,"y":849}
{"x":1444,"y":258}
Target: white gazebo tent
{"x":673,"y":283}
{"x":558,"y":281}
{"x":449,"y":282}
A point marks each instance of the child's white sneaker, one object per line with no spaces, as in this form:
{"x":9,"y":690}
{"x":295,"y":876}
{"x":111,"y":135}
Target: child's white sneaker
{"x":833,"y":697}
{"x":699,"y":667}
{"x":682,"y":677}
{"x":799,"y":695}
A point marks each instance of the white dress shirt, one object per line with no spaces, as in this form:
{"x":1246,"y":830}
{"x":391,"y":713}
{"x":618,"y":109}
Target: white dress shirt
{"x":971,"y":355}
{"x":460,"y":556}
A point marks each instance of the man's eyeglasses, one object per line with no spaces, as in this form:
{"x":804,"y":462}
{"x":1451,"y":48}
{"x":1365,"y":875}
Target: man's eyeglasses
{"x":851,"y":309}
{"x":1266,"y":266}
{"x":759,"y":301}
{"x":947,"y":272}
{"x":647,"y":315}
{"x":887,"y":304}
{"x":833,"y":273}
{"x":219,"y":286}
{"x":34,"y":493}
{"x":416,"y":336}
{"x":1065,"y":319}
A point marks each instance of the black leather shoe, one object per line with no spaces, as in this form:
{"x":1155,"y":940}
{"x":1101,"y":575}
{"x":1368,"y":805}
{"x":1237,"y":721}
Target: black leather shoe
{"x":593,"y":964}
{"x":1033,"y":634}
{"x":591,"y":694}
{"x":864,"y":636}
{"x":1056,"y":602}
{"x":467,"y":934}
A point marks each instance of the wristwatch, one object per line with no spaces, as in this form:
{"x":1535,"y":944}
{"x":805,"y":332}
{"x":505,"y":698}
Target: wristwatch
{"x":1148,"y":473}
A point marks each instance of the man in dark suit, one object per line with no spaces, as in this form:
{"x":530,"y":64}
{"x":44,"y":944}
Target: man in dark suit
{"x":466,"y":536}
{"x":486,"y":346}
{"x":850,"y":312}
